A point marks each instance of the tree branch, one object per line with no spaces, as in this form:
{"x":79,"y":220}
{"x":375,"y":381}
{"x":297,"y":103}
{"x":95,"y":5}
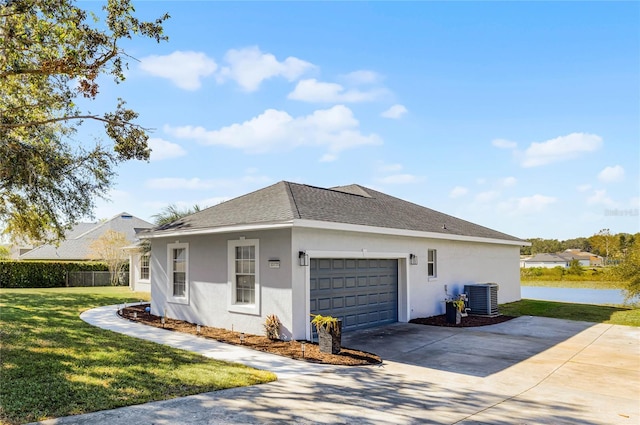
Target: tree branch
{"x":75,"y":117}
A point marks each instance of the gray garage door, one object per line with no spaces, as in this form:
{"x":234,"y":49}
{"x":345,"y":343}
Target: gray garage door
{"x":363,"y":293}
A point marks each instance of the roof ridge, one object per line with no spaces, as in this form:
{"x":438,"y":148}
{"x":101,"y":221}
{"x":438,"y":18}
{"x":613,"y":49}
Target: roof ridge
{"x":292,"y":198}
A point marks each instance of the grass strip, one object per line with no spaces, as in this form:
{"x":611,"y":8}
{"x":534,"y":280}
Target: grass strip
{"x":581,"y":284}
{"x":53,"y":364}
{"x":615,"y":315}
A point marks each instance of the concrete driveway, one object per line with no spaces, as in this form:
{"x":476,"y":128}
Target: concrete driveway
{"x":524,"y":371}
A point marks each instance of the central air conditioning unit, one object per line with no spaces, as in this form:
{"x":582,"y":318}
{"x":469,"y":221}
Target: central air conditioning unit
{"x":483,"y":298}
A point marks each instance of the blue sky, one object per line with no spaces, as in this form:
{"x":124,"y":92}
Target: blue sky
{"x":522,"y":117}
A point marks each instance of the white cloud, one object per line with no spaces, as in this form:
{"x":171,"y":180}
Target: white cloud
{"x":162,"y":149}
{"x":527,"y":204}
{"x":249,"y":67}
{"x":504,"y":144}
{"x":508,"y":182}
{"x":458,"y":191}
{"x":395,"y":112}
{"x":312,"y":90}
{"x":535,"y":203}
{"x":400,"y":179}
{"x":388,"y":168}
{"x":334,"y":128}
{"x":180,"y":183}
{"x":487,"y":196}
{"x":328,"y":157}
{"x":600,"y":197}
{"x":560,"y":149}
{"x":184,"y":69}
{"x":362,"y":77}
{"x":611,"y":174}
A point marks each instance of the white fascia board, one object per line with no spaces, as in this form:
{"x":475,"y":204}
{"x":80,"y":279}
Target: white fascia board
{"x":326,"y":225}
{"x":216,"y":230}
{"x":343,"y":227}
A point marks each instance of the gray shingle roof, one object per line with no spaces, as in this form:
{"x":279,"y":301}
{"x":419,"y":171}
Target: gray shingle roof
{"x":77,"y":245}
{"x":549,"y":258}
{"x":353,"y":204}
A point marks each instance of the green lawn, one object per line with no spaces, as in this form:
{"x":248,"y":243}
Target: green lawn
{"x":53,"y":364}
{"x":615,"y":315}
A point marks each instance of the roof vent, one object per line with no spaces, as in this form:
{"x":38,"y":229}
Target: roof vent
{"x":126,"y":216}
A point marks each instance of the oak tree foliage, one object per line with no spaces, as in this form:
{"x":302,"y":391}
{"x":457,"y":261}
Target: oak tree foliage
{"x":53,"y":53}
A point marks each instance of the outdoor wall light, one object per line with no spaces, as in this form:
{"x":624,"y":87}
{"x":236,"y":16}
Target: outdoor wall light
{"x":302,"y":258}
{"x":413,"y":259}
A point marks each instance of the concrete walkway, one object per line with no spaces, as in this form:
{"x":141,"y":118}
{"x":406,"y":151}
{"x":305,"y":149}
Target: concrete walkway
{"x":529,"y":370}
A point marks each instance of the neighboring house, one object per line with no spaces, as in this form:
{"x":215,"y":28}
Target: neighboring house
{"x":586,"y":259}
{"x":562,"y":259}
{"x":77,"y":243}
{"x":548,"y":261}
{"x":293,"y":250}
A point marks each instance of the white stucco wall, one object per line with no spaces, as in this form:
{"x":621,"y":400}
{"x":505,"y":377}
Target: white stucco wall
{"x":285,"y":291}
{"x":209,"y":290}
{"x":135,"y":282}
{"x":458,"y":263}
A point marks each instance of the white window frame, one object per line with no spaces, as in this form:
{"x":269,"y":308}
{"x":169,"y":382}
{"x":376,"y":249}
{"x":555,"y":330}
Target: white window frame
{"x":231,"y":283}
{"x":170,"y":297}
{"x":142,"y":256}
{"x":433,"y":262}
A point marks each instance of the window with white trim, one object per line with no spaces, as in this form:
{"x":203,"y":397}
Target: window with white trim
{"x":245,"y":278}
{"x":244,"y":275}
{"x":178,"y":271}
{"x":144,"y":266}
{"x":432,"y":270}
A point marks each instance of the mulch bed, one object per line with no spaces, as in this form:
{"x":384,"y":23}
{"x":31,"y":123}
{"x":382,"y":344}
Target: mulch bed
{"x":291,"y":349}
{"x":466,"y":322}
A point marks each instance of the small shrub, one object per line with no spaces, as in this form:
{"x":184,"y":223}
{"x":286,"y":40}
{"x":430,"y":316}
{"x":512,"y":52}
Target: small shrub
{"x":329,"y":323}
{"x":272,"y":327}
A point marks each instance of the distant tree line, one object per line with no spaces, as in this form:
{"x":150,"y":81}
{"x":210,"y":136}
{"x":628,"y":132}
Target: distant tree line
{"x":612,"y":247}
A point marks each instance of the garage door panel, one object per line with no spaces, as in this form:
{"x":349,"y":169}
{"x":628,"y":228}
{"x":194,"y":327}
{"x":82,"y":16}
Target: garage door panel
{"x":338,"y":282}
{"x":324,"y":304}
{"x":324,"y":283}
{"x":363,"y":293}
{"x":324,"y":264}
{"x":350,"y":321}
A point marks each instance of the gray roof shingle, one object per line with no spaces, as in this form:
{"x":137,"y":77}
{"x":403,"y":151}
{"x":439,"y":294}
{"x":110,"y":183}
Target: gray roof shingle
{"x":77,"y":244}
{"x":352,"y":204}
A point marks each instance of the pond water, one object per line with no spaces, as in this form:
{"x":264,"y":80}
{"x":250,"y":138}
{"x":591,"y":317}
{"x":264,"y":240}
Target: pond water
{"x":574,"y":295}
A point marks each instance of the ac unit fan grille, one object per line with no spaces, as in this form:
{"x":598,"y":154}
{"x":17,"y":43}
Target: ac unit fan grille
{"x":483,"y":299}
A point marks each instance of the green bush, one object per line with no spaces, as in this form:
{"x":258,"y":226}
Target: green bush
{"x":42,"y":274}
{"x":577,"y":273}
